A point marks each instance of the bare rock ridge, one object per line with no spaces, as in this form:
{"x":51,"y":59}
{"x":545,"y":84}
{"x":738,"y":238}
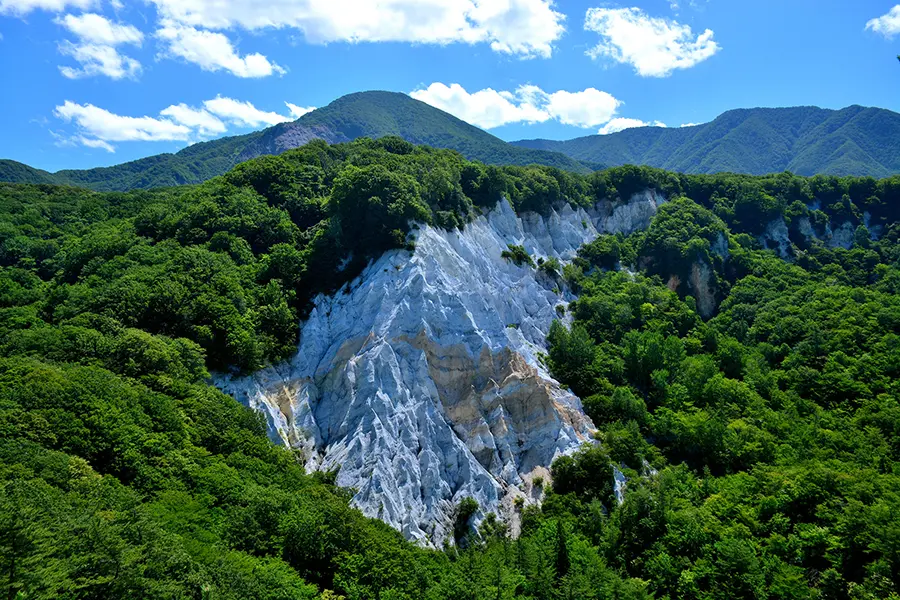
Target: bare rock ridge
{"x":421,"y":379}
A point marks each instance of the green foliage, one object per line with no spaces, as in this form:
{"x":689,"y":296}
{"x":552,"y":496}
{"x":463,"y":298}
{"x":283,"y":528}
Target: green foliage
{"x":463,"y":521}
{"x":758,"y":432}
{"x":374,"y":207}
{"x":368,"y":114}
{"x":803,"y":140}
{"x":551,"y":267}
{"x":517,"y":255}
{"x":775,"y":476}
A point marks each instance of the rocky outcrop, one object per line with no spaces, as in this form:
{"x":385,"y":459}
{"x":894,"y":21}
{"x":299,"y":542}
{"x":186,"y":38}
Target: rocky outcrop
{"x":701,"y":284}
{"x":777,"y":236}
{"x":287,"y":136}
{"x":421,"y":379}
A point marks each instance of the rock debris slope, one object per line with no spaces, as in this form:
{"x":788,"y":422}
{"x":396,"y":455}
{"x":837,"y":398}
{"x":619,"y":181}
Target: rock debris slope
{"x":421,"y":379}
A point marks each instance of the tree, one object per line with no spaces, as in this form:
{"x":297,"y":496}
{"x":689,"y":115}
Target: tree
{"x":562,"y":552}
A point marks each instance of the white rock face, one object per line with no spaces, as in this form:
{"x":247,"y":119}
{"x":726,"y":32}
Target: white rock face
{"x":421,"y":380}
{"x":620,"y":485}
{"x":777,"y":236}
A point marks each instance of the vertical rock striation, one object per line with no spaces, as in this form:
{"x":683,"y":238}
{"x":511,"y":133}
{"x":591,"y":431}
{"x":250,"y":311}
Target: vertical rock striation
{"x":420,"y":379}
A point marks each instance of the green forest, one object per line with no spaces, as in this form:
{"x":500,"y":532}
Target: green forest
{"x":805,"y":140}
{"x":761,"y":446}
{"x":371,"y":114}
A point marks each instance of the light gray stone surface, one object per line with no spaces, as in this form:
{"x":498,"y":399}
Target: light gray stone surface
{"x":421,"y":378}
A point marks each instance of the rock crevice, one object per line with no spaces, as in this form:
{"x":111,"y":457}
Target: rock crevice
{"x":421,"y":379}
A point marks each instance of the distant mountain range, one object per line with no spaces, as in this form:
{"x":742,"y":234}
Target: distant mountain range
{"x":804,"y":140}
{"x":372,"y":114}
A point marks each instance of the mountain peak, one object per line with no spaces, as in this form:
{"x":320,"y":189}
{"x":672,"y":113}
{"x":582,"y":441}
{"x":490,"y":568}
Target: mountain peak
{"x":806,"y":140}
{"x":375,"y":114}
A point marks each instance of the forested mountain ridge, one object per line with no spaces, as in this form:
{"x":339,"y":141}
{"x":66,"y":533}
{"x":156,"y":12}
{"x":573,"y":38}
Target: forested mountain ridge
{"x":759,"y":446}
{"x":195,"y":164}
{"x":803,"y":140}
{"x":377,"y":114}
{"x":364,"y":114}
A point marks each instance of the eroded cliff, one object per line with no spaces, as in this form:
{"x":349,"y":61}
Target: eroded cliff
{"x":421,"y":378}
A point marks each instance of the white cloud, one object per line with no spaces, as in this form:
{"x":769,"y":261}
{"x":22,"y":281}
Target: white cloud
{"x":93,"y":143}
{"x":489,"y":108}
{"x":198,"y":119}
{"x":96,"y":123}
{"x":888,"y":24}
{"x":622,"y":123}
{"x":212,"y":51}
{"x":653,"y":46}
{"x":690,"y":124}
{"x":242,"y":113}
{"x":299,"y":111}
{"x":521,"y":27}
{"x":97,"y":29}
{"x":486,"y":108}
{"x":99,"y":128}
{"x":98,"y":60}
{"x":587,"y":108}
{"x":23,"y":7}
{"x":96,"y":49}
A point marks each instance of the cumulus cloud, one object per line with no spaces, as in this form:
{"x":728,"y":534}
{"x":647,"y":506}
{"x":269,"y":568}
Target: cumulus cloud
{"x":97,"y":29}
{"x":94,"y":143}
{"x":97,"y":60}
{"x":520,"y":27}
{"x":100,"y":125}
{"x":653,"y":46}
{"x":622,"y":123}
{"x":23,"y":7}
{"x":887,"y":24}
{"x":299,"y":111}
{"x":486,"y":108}
{"x":199,"y":120}
{"x":96,"y":49}
{"x":242,"y":113}
{"x":97,"y":127}
{"x":212,"y":51}
{"x":489,"y":108}
{"x":587,"y":108}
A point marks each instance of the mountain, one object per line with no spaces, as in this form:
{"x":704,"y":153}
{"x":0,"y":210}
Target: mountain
{"x":377,"y":114}
{"x":804,"y":140}
{"x":611,"y":387}
{"x":365,"y":114}
{"x":194,"y":164}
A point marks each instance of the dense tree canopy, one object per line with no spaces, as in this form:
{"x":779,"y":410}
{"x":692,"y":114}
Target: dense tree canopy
{"x":759,"y":441}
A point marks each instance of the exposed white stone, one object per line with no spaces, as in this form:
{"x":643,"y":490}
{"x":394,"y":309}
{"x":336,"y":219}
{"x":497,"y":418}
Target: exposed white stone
{"x":421,"y":379}
{"x":875,"y":231}
{"x":842,"y":237}
{"x":720,"y":247}
{"x":777,"y":237}
{"x":701,"y":285}
{"x":620,"y":484}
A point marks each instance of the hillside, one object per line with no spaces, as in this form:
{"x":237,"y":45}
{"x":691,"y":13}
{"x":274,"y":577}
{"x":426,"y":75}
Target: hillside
{"x":377,"y":114}
{"x":804,"y":140}
{"x":744,"y":402}
{"x":364,"y":114}
{"x":194,"y":164}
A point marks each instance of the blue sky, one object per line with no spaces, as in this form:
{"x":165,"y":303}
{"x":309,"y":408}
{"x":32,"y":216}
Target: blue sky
{"x":99,"y":82}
